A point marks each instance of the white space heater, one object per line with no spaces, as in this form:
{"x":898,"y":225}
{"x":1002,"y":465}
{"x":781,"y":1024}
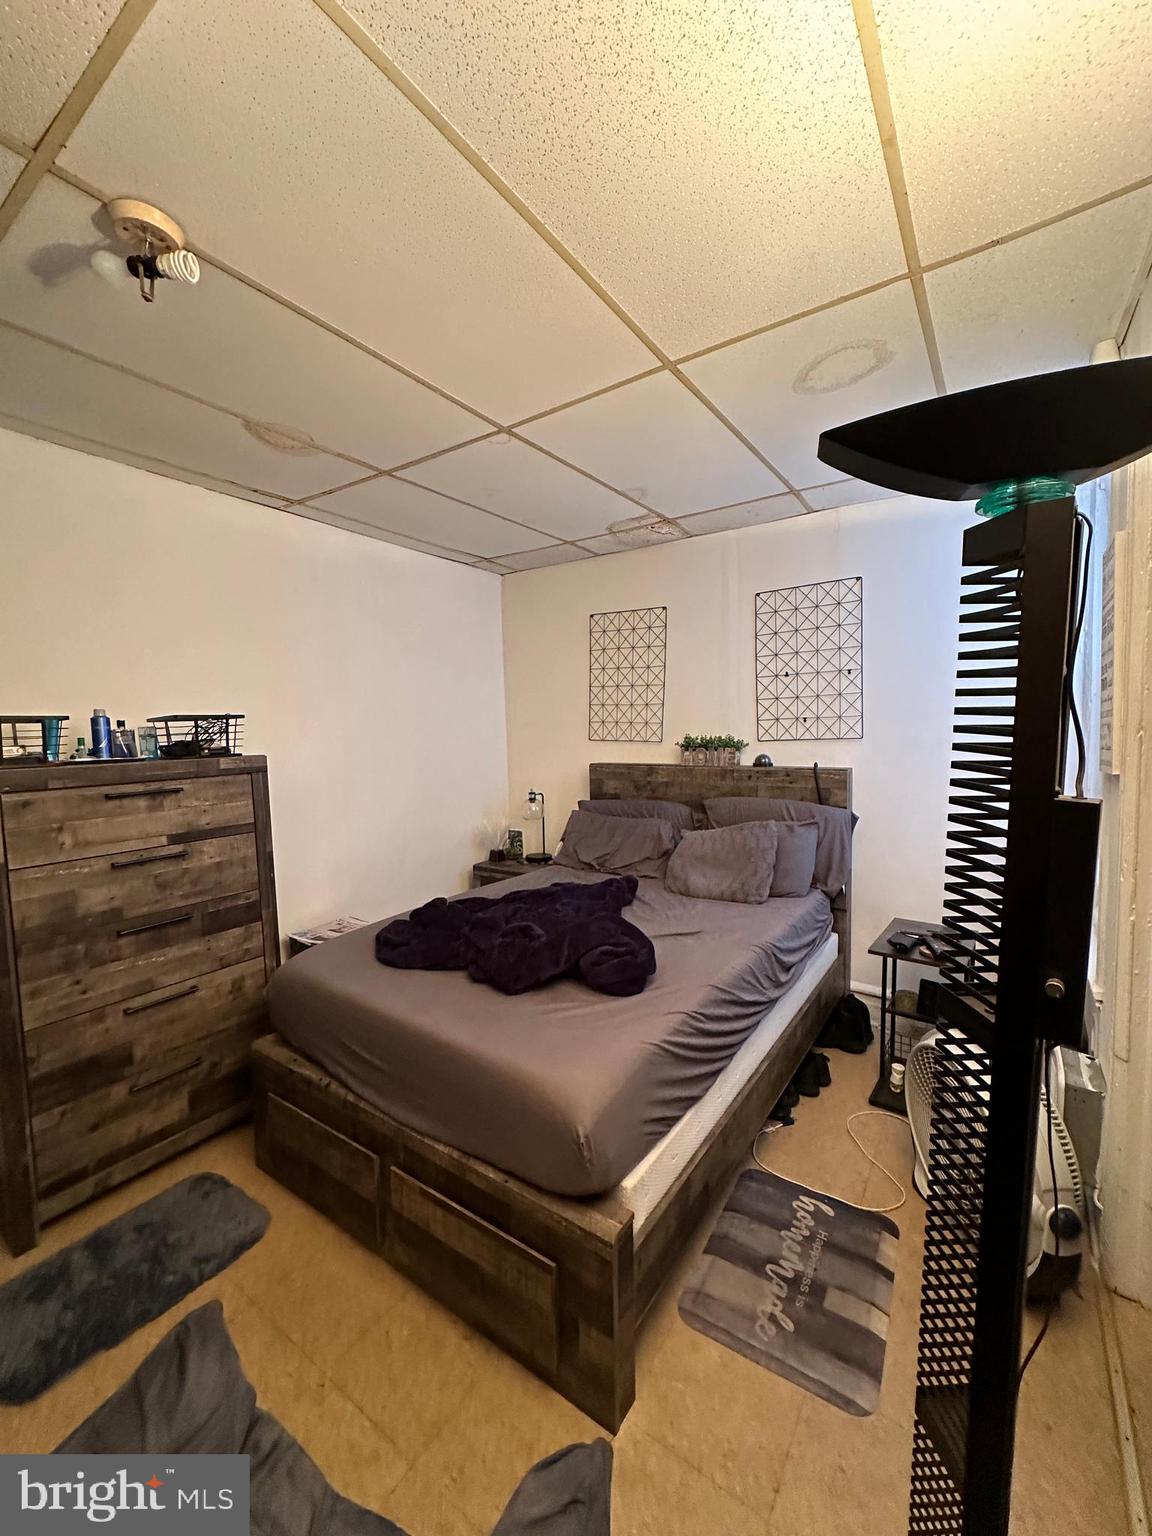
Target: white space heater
{"x":1057,"y":1233}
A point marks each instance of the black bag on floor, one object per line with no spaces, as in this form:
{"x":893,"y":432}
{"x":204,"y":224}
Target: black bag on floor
{"x":848,"y":1027}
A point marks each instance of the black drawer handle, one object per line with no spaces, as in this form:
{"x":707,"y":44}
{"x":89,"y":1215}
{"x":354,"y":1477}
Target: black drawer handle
{"x":136,"y":794}
{"x":158,"y":1002}
{"x":157,"y":922}
{"x":163,"y":1077}
{"x":150,"y":858}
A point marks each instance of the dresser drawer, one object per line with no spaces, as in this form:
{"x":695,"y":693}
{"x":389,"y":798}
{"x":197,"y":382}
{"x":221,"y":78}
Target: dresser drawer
{"x":76,"y":1057}
{"x":118,"y":960}
{"x":46,"y":826}
{"x":168,"y":1090}
{"x":51,"y":901}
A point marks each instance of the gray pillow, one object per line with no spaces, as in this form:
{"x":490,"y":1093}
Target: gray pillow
{"x":190,"y":1396}
{"x":731,"y":864}
{"x":617,"y":845}
{"x":795,"y":871}
{"x":834,"y":830}
{"x":664,"y":810}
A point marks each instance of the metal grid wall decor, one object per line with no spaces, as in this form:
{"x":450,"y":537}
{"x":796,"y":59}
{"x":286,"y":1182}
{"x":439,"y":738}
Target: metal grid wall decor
{"x":626,"y":675}
{"x":809,"y":662}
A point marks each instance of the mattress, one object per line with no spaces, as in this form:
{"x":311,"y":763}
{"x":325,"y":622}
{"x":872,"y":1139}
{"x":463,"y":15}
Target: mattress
{"x":643,"y":1189}
{"x":564,"y":1087}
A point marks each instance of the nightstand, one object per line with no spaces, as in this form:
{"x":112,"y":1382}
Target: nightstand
{"x":896,"y":1037}
{"x":488,"y":871}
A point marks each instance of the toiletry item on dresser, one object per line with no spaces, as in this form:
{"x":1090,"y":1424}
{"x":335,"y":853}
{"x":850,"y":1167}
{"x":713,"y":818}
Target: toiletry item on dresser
{"x":149,"y":741}
{"x":101,"y":734}
{"x":123,"y":741}
{"x":81,"y":751}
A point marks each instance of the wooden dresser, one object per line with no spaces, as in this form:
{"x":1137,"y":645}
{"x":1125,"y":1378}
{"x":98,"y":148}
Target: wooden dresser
{"x":137,"y":932}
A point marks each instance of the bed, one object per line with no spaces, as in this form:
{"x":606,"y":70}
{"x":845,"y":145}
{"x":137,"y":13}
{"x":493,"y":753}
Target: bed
{"x":539,"y":1190}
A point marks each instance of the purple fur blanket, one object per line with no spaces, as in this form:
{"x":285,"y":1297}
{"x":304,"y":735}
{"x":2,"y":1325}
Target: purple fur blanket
{"x":528,"y":938}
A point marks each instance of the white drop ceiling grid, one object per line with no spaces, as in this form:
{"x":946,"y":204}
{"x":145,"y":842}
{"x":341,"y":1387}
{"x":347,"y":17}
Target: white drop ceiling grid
{"x":534,"y":280}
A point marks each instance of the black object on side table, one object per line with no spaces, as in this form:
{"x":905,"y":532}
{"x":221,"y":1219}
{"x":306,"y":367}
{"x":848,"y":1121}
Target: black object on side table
{"x":488,"y":871}
{"x":896,"y":1037}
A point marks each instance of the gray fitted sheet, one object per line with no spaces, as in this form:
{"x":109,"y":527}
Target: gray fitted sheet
{"x":563,"y":1086}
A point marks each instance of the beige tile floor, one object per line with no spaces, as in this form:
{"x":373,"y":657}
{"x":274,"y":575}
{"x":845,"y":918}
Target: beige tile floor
{"x":1134,"y":1329}
{"x":409,"y":1412}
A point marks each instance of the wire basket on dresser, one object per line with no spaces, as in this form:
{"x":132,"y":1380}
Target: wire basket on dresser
{"x":31,"y":738}
{"x":202,"y":735}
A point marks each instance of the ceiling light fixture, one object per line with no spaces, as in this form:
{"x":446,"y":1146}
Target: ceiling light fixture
{"x":156,"y":246}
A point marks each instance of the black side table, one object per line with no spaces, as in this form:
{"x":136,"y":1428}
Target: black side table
{"x":488,"y":871}
{"x":895,"y":1041}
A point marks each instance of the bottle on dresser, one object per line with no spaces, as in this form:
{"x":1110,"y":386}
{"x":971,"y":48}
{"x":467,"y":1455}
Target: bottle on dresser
{"x":101,"y":734}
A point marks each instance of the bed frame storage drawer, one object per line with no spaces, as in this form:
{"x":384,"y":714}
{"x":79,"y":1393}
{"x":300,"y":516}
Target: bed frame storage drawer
{"x":137,"y":935}
{"x":150,"y":811}
{"x":321,"y":1166}
{"x":501,"y":1286}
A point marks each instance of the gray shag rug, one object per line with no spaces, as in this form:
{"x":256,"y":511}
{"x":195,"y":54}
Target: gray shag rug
{"x":92,"y":1295}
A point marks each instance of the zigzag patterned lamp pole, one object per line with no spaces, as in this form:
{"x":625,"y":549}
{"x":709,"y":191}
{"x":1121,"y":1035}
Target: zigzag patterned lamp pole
{"x":1018,"y":883}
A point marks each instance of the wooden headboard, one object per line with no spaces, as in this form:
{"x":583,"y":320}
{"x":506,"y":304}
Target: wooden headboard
{"x":692,"y":786}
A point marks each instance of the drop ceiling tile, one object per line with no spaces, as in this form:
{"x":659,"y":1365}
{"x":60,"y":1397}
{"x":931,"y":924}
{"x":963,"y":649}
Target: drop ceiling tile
{"x":59,"y":389}
{"x":137,"y":461}
{"x":656,"y":441}
{"x":1010,"y":112}
{"x":43,"y":52}
{"x":785,"y":387}
{"x":420,"y":514}
{"x":507,"y":476}
{"x":846,"y":493}
{"x":297,"y":162}
{"x":318,"y":514}
{"x":769,"y":509}
{"x":10,"y":167}
{"x":1041,"y":302}
{"x":221,"y":340}
{"x":555,"y":554}
{"x":705,"y":162}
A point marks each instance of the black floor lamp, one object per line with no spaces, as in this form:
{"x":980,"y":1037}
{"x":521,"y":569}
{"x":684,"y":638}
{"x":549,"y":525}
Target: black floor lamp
{"x":1018,"y":881}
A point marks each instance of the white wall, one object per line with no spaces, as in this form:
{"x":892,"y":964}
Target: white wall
{"x":1124,"y":937}
{"x":370,"y":675}
{"x":908,"y":553}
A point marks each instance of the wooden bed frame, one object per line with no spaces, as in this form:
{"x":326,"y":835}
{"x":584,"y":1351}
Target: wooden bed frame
{"x":560,"y":1284}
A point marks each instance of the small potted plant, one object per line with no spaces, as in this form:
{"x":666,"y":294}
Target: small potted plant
{"x":711,"y":751}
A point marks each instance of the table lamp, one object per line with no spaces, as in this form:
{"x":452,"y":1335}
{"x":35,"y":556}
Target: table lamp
{"x":536,"y":809}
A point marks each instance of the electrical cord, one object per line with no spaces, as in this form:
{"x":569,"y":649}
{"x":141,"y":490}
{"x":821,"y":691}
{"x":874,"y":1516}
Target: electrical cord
{"x":1051,"y":1303}
{"x":1084,"y":566}
{"x":861,"y":1114}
